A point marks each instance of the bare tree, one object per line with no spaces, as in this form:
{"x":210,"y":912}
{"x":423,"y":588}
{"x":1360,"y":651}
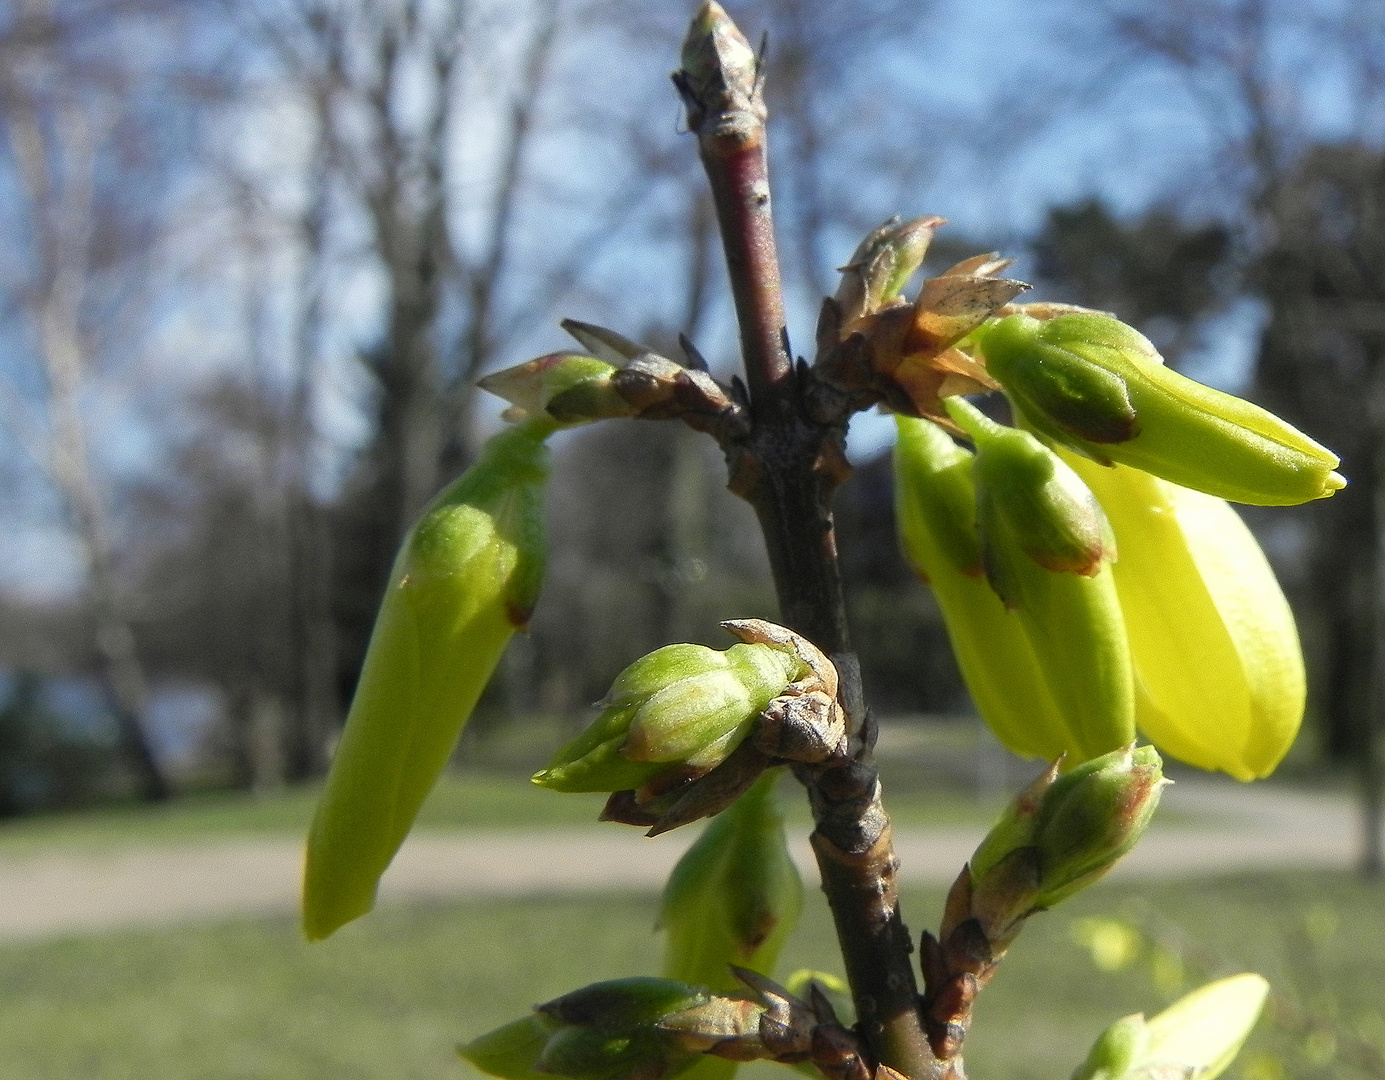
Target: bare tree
{"x":57,"y":129}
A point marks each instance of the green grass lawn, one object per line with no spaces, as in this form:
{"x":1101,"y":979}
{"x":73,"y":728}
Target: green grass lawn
{"x":464,"y":798}
{"x":390,"y":996}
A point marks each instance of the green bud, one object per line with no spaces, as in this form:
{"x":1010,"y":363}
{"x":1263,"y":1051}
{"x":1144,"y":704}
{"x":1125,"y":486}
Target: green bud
{"x":1093,"y":384}
{"x":1115,"y":1050}
{"x":1046,"y":547}
{"x":512,"y":1051}
{"x":1090,"y":817}
{"x":734,"y":896}
{"x":606,"y":1031}
{"x":1196,"y":1037}
{"x":684,"y":705}
{"x":467,"y":576}
{"x":622,"y":1006}
{"x":1030,"y":501}
{"x":1058,"y":836}
{"x":1203,"y":1031}
{"x":882,"y":265}
{"x":569,"y":387}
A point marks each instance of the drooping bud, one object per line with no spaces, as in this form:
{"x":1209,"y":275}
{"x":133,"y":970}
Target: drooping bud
{"x":606,"y":1031}
{"x":734,"y":896}
{"x":1220,"y":673}
{"x":1046,"y":547}
{"x":466,"y":577}
{"x":1093,"y":384}
{"x":935,"y":510}
{"x":569,"y":387}
{"x":882,"y":265}
{"x":1197,"y":1036}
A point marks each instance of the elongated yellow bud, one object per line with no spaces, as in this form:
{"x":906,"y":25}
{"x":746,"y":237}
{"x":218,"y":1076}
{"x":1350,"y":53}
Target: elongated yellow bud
{"x":467,"y":576}
{"x":1097,"y":386}
{"x":1220,"y":673}
{"x":1047,"y":548}
{"x":935,"y":510}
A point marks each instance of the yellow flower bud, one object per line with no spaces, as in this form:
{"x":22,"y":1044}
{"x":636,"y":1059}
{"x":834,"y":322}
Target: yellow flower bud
{"x":1220,"y":673}
{"x":1091,"y":383}
{"x":1047,"y":547}
{"x":935,"y":511}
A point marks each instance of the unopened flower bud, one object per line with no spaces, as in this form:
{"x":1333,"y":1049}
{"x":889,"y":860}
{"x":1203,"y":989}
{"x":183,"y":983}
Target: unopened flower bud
{"x":1093,"y":384}
{"x":1031,"y":502}
{"x":1197,"y":1036}
{"x":1090,"y":817}
{"x":1115,"y":1050}
{"x":1058,"y":836}
{"x":606,"y":1031}
{"x":935,"y":509}
{"x":1220,"y":673}
{"x":569,"y":387}
{"x":1046,"y":547}
{"x":1203,"y":1032}
{"x":881,"y":266}
{"x":684,"y":705}
{"x":734,"y":896}
{"x":466,"y":577}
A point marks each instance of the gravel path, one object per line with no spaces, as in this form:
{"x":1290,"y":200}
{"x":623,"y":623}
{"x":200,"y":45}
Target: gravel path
{"x":1217,"y":828}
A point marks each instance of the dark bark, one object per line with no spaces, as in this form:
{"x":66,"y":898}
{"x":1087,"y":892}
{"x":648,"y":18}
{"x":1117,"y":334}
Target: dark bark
{"x":787,"y":468}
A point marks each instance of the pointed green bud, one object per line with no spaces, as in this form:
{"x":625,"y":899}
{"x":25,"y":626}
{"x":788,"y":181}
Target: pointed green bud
{"x":1058,"y":836}
{"x":1115,"y":1050}
{"x":734,"y":896}
{"x":623,"y":1005}
{"x":1202,"y":1033}
{"x":882,"y":265}
{"x":1030,"y":501}
{"x":606,"y":1031}
{"x":1093,"y":384}
{"x":569,"y":387}
{"x":512,"y":1051}
{"x":935,"y":510}
{"x":1046,"y":547}
{"x":684,"y":705}
{"x":1090,"y":817}
{"x":467,"y":576}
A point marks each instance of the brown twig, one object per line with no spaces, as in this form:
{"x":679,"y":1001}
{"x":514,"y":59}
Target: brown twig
{"x":787,"y":467}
